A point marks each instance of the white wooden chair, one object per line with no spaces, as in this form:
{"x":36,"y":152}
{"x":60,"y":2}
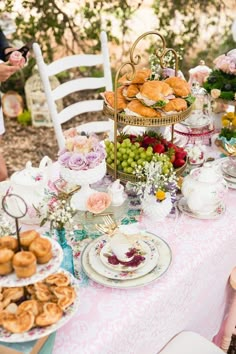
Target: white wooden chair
{"x":190,"y":343}
{"x":75,"y":85}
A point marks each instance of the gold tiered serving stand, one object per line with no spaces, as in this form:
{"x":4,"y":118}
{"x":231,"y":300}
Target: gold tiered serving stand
{"x":122,"y":119}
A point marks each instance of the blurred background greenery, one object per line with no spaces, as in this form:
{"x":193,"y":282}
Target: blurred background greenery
{"x":195,"y":29}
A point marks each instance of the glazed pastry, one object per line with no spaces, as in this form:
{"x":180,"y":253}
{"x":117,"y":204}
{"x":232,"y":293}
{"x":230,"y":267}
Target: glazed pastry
{"x":156,"y":90}
{"x":30,"y":305}
{"x":42,"y":291}
{"x":18,"y":323}
{"x":12,"y":295}
{"x":42,"y":248}
{"x":24,"y":264}
{"x":27,"y":237}
{"x":51,"y":314}
{"x":176,"y":105}
{"x":9,"y":242}
{"x":109,"y":97}
{"x":66,"y":296}
{"x":139,"y":77}
{"x":180,"y":87}
{"x":59,"y":279}
{"x":140,"y":110}
{"x":6,"y":256}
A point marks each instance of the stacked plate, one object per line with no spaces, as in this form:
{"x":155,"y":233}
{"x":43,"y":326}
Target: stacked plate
{"x":97,"y":261}
{"x":229,"y":173}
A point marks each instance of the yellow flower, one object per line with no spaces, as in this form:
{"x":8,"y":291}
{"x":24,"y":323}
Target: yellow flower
{"x":230,"y":115}
{"x":225,"y":122}
{"x":160,"y":195}
{"x":234,"y":122}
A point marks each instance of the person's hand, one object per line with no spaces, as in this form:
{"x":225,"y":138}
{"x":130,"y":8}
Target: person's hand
{"x":6,"y":71}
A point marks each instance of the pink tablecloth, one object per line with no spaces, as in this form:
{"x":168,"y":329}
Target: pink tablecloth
{"x":192,"y":295}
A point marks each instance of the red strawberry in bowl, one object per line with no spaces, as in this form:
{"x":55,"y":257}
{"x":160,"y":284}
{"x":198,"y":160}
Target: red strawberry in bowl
{"x":159,"y":148}
{"x":179,"y":163}
{"x":180,"y":154}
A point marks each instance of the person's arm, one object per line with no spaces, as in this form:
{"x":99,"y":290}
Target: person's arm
{"x":4,"y":44}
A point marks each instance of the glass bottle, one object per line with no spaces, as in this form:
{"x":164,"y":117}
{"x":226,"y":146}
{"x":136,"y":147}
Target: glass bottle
{"x":68,"y":262}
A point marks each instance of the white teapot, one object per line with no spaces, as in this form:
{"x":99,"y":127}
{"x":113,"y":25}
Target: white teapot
{"x":204,"y":188}
{"x":30,"y":184}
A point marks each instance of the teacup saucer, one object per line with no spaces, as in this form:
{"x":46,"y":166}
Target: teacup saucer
{"x":183,"y":207}
{"x":229,"y":168}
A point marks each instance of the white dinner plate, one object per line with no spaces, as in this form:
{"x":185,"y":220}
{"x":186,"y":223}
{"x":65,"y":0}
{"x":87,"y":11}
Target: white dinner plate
{"x":228,"y":168}
{"x":38,"y":332}
{"x":163,"y":264}
{"x":96,"y":261}
{"x":42,"y":271}
{"x":183,"y":207}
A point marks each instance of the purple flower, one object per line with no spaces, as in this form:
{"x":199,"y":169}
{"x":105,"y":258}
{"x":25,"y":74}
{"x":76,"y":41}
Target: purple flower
{"x":64,"y":158}
{"x":77,"y":162}
{"x":93,"y":159}
{"x":99,"y":148}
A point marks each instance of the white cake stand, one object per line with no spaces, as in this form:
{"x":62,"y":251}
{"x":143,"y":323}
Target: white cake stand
{"x":83,"y":178}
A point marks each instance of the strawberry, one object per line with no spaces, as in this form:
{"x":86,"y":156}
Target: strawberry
{"x":148,"y":140}
{"x":179,"y":163}
{"x":159,"y":148}
{"x":180,"y":154}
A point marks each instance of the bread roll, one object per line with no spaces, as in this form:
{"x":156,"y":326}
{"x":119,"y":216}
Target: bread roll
{"x":6,"y":256}
{"x":27,"y":237}
{"x":9,"y":242}
{"x":42,"y":248}
{"x":24,"y":264}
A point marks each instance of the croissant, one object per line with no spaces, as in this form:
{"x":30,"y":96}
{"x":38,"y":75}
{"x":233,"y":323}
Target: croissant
{"x":109,"y":97}
{"x":156,"y":90}
{"x":181,"y":87}
{"x":66,"y":296}
{"x":177,"y":104}
{"x":139,"y":77}
{"x":143,"y":111}
{"x":29,"y":305}
{"x":131,"y":91}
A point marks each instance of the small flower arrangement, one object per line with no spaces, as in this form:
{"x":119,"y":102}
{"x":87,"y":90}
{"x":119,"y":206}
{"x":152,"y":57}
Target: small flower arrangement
{"x":81,"y":152}
{"x":156,"y":182}
{"x":221,"y":83}
{"x":228,"y":132}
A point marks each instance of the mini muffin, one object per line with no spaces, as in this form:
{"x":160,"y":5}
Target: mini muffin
{"x":24,"y":264}
{"x":27,"y":237}
{"x":6,"y":256}
{"x":9,"y":242}
{"x":42,"y":248}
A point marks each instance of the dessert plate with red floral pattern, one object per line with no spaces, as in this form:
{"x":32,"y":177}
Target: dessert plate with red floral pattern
{"x":99,"y":261}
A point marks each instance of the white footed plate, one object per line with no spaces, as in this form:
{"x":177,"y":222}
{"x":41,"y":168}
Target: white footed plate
{"x":43,"y":270}
{"x":38,"y":332}
{"x":161,"y":267}
{"x":96,"y":261}
{"x":183,"y":207}
{"x":228,"y":168}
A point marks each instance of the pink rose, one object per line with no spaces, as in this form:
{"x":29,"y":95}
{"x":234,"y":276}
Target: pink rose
{"x":98,"y":202}
{"x":70,"y":133}
{"x":16,"y":59}
{"x":82,"y":144}
{"x":226,"y":63}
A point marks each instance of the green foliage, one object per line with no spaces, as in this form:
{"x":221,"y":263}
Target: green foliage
{"x":227,"y":133}
{"x":226,"y":83}
{"x":24,"y":118}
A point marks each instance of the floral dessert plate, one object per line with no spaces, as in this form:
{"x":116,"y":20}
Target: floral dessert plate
{"x":183,"y":207}
{"x":142,"y":251}
{"x":229,"y":168}
{"x":97,"y":264}
{"x":164,"y":261}
{"x":38,"y":332}
{"x":42,"y":271}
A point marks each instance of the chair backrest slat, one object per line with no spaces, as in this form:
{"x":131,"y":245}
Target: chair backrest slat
{"x":74,"y":85}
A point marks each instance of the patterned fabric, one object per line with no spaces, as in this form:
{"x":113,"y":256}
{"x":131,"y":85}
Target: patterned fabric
{"x":192,"y":295}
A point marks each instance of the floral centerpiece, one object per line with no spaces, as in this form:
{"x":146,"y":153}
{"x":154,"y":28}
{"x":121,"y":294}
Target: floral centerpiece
{"x":158,"y":191}
{"x":227,"y":136}
{"x":82,"y":162}
{"x":221,"y":83}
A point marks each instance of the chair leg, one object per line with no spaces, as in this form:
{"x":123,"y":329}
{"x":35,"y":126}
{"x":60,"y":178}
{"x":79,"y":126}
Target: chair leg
{"x":229,"y":325}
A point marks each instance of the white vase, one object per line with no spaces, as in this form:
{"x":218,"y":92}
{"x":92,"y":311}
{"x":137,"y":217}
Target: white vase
{"x":156,"y":210}
{"x":83,"y":178}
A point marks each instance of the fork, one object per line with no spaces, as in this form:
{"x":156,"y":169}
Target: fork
{"x":109,"y":222}
{"x":104,"y":229}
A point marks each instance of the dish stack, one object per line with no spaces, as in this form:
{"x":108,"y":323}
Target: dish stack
{"x":34,"y":302}
{"x":229,"y":172}
{"x":126,"y":261}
